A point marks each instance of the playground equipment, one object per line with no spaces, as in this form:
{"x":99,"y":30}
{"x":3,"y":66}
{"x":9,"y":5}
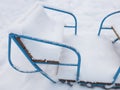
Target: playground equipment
{"x":17,"y":39}
{"x":108,"y":28}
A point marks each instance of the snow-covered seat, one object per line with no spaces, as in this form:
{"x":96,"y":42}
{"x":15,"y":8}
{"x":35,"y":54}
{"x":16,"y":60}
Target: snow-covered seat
{"x":97,"y":54}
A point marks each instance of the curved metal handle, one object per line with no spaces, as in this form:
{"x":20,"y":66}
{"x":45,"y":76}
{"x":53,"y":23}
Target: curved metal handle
{"x":66,"y":12}
{"x":101,"y":25}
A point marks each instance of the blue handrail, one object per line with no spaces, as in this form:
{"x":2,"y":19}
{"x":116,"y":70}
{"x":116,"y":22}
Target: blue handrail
{"x":116,"y":75}
{"x":38,"y":69}
{"x":66,"y":12}
{"x":101,"y":25}
{"x":115,"y":40}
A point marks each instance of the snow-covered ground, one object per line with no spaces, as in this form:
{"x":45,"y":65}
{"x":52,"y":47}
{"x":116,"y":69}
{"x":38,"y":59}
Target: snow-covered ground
{"x":99,"y":57}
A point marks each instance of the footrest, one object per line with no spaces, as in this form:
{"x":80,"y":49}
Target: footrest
{"x":45,"y":61}
{"x":67,"y":81}
{"x":104,"y":85}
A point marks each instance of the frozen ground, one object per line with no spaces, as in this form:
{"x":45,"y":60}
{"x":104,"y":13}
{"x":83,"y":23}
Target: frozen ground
{"x":100,"y":58}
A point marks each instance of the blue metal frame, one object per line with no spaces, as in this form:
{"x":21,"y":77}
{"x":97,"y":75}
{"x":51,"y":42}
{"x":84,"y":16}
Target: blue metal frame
{"x":101,"y":25}
{"x":13,"y":37}
{"x":115,"y":40}
{"x":66,"y":12}
{"x":116,"y":75}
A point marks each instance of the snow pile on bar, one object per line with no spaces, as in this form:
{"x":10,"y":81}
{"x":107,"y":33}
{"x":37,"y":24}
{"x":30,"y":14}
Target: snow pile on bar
{"x":36,"y":23}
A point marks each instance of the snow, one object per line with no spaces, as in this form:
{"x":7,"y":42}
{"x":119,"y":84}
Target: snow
{"x":99,"y":57}
{"x":37,"y":24}
{"x":116,"y":27}
{"x":95,"y":50}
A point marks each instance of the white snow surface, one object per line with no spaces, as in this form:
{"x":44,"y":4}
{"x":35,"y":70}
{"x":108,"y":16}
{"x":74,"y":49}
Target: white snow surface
{"x":37,"y":24}
{"x":99,"y":57}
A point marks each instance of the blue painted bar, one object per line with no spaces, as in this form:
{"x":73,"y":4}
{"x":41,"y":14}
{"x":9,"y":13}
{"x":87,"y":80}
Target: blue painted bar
{"x":115,"y":40}
{"x":38,"y":69}
{"x":106,"y":28}
{"x":69,"y":26}
{"x":60,"y":64}
{"x":101,"y":25}
{"x":116,"y":75}
{"x":66,"y":12}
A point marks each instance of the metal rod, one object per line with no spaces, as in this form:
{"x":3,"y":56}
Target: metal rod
{"x":101,"y":25}
{"x":69,"y":26}
{"x":60,"y":64}
{"x":115,"y":32}
{"x":116,"y":75}
{"x":115,"y":40}
{"x":66,"y":12}
{"x":106,"y":28}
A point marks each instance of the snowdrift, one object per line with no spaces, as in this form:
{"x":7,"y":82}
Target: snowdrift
{"x":37,"y":24}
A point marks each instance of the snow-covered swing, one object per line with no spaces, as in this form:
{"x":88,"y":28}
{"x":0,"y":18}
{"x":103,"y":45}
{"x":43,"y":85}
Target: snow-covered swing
{"x":29,"y":46}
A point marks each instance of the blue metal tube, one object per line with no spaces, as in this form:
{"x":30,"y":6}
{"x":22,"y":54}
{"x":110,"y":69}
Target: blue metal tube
{"x":47,"y":42}
{"x":66,"y":12}
{"x":116,"y":75}
{"x":106,"y":28}
{"x":60,"y":64}
{"x":104,"y":20}
{"x":115,"y":40}
{"x":69,"y":26}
